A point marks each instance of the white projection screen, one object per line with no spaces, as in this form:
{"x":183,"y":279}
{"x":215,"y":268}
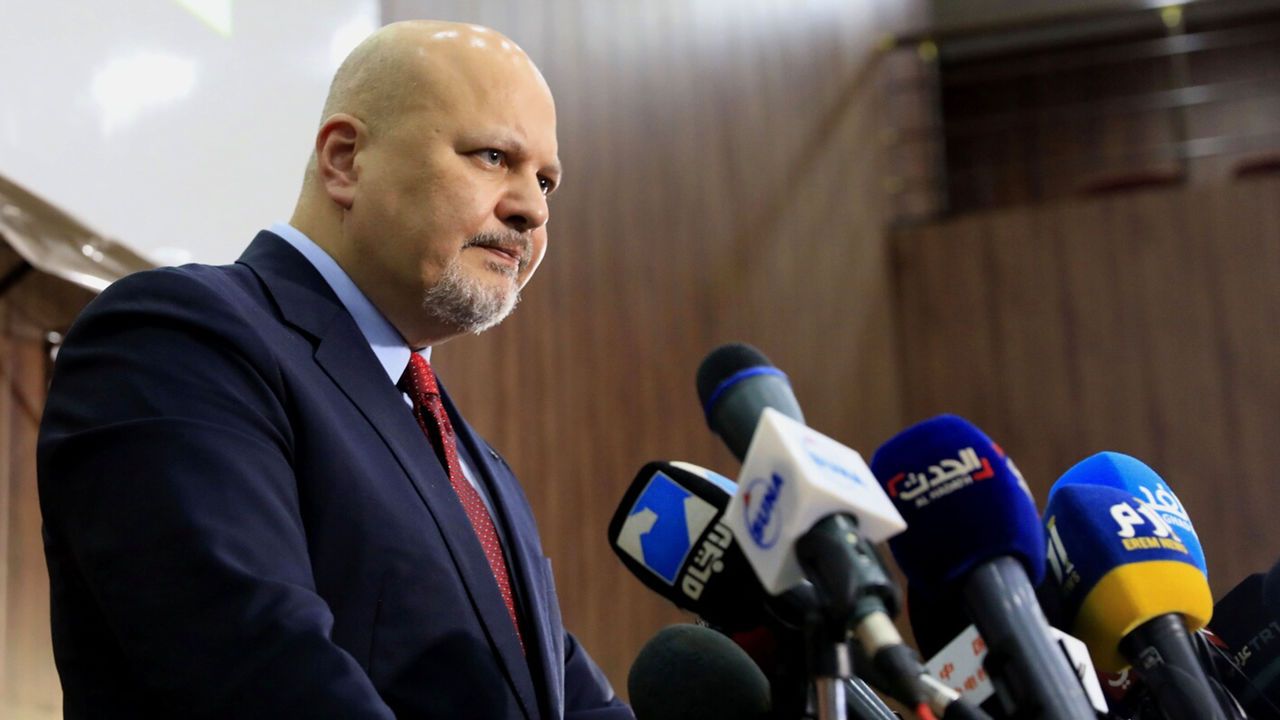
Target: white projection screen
{"x":179,"y":127}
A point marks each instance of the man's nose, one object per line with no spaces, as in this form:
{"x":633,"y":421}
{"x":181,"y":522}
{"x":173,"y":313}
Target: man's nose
{"x":523,"y":206}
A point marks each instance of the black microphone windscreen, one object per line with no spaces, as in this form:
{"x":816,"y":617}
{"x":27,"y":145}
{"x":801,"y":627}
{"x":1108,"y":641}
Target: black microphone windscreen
{"x":723,"y":363}
{"x":735,"y":384}
{"x":688,"y":672}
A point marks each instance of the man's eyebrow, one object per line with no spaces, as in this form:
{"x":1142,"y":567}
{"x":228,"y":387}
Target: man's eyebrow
{"x":553,"y":168}
{"x":515,"y":145}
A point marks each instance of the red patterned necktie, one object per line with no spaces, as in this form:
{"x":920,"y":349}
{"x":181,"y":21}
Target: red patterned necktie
{"x":420,"y":384}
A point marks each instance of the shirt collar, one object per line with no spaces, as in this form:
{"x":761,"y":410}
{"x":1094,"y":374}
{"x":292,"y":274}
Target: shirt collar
{"x":385,"y":341}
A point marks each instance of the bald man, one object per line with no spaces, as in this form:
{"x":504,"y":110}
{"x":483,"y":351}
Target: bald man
{"x":258,"y":502}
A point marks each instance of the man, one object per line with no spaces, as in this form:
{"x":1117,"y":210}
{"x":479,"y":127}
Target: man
{"x":257,"y":502}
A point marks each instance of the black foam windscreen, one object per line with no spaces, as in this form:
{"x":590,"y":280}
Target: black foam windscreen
{"x":735,"y":384}
{"x":724,"y":362}
{"x":688,"y":672}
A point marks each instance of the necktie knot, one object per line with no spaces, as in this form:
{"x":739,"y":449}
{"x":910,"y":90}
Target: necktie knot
{"x":418,"y":380}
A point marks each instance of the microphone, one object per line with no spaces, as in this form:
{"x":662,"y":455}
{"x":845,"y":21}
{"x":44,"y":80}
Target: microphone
{"x":808,"y":507}
{"x":975,"y":527}
{"x":1247,"y":622}
{"x":687,"y":672}
{"x":796,"y":483}
{"x":1131,"y":589}
{"x":956,"y":650}
{"x":699,"y":568}
{"x":960,"y":664}
{"x":803,"y":498}
{"x":936,"y":619}
{"x":1271,"y":590}
{"x":735,"y":383}
{"x":669,"y":531}
{"x":1130,"y":474}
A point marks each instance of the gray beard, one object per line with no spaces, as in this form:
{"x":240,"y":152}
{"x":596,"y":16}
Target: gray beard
{"x":470,"y":304}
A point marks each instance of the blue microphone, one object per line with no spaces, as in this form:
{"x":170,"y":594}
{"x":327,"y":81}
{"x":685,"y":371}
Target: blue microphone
{"x":1130,"y":474}
{"x":1131,"y":592}
{"x":973,"y":525}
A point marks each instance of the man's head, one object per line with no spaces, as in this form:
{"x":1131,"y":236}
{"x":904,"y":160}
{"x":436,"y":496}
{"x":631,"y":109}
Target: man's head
{"x":428,"y":185}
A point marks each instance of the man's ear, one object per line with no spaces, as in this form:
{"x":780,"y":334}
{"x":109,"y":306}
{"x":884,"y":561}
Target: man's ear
{"x":339,"y":139}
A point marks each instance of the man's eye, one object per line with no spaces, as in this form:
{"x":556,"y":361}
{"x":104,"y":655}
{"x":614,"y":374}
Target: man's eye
{"x":493,"y":157}
{"x":546,"y":185}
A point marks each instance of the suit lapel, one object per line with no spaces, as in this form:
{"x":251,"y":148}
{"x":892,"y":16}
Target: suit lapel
{"x":342,"y":352}
{"x":524,"y":559}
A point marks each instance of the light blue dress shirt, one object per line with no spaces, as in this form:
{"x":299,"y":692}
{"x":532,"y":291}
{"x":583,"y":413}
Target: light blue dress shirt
{"x":385,"y":341}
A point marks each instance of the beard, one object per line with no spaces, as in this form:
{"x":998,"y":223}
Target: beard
{"x":472,"y":304}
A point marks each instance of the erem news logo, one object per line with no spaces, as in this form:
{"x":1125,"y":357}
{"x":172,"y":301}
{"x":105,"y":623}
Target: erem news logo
{"x":1130,"y":519}
{"x":660,"y":532}
{"x":1138,"y":526}
{"x":760,"y":510}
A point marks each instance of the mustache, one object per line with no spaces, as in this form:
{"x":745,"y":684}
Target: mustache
{"x":515,"y":243}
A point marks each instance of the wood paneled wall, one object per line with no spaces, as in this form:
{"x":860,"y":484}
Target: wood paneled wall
{"x":1148,"y":106}
{"x":28,"y":681}
{"x":722,"y":183}
{"x":1143,"y":322}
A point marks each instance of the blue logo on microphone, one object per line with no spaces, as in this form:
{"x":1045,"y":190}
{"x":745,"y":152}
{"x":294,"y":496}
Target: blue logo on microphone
{"x":662,"y":526}
{"x":759,"y":510}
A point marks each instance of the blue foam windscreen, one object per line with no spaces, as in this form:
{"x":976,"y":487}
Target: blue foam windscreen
{"x":1118,"y":565}
{"x":964,"y":502}
{"x":1130,"y":474}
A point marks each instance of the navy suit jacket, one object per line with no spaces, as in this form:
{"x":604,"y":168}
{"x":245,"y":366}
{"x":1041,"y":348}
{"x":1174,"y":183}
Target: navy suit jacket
{"x":243,"y":519}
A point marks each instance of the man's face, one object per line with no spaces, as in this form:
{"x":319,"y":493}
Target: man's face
{"x":451,"y":207}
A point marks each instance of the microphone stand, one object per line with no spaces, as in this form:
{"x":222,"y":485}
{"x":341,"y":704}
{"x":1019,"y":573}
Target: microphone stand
{"x":839,"y":693}
{"x":832,"y":670}
{"x":828,"y":556}
{"x":863,"y":702}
